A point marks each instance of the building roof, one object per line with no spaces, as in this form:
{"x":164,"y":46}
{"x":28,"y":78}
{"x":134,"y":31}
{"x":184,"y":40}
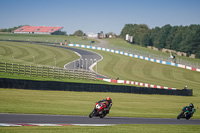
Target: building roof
{"x":37,"y":29}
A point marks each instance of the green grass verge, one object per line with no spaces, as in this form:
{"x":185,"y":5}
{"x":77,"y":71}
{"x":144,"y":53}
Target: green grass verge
{"x":34,"y":54}
{"x":108,"y":129}
{"x":127,"y":68}
{"x":81,"y":103}
{"x":45,"y":38}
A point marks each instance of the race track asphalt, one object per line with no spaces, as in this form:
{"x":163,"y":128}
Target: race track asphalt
{"x":67,"y":119}
{"x":87,"y":58}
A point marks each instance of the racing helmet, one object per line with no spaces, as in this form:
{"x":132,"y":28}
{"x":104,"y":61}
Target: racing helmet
{"x":108,"y":98}
{"x":191,"y":105}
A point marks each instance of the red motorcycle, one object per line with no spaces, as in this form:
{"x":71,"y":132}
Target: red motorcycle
{"x":98,"y":110}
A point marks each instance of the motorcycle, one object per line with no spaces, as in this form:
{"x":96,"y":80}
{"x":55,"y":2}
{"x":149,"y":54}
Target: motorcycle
{"x":98,"y":110}
{"x":185,"y":113}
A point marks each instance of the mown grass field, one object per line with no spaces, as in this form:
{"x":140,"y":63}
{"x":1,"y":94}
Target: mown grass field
{"x":108,"y":129}
{"x":45,"y":38}
{"x":81,"y":103}
{"x":127,"y":68}
{"x":35,"y":54}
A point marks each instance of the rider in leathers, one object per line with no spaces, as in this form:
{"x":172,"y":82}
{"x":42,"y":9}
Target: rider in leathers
{"x":108,"y":102}
{"x":191,"y":109}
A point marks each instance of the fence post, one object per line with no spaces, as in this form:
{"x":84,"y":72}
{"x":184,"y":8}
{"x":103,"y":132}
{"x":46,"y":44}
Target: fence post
{"x":12,"y":68}
{"x":64,"y":73}
{"x":18,"y":69}
{"x":59,"y":72}
{"x":73,"y":73}
{"x":42,"y":70}
{"x":36,"y":71}
{"x":68,"y":74}
{"x":30,"y":70}
{"x":24,"y":69}
{"x":6,"y":67}
{"x":53,"y":72}
{"x":47,"y":71}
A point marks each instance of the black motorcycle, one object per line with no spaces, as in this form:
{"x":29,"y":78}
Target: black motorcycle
{"x":185,"y":113}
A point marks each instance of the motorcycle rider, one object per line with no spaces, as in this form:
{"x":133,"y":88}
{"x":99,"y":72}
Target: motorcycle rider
{"x":108,"y":102}
{"x":191,"y":109}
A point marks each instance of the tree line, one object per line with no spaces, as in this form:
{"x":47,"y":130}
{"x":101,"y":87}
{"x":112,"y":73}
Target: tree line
{"x":179,"y":38}
{"x":11,"y":29}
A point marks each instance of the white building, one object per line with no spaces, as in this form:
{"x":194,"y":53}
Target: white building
{"x":127,"y":37}
{"x":92,"y":35}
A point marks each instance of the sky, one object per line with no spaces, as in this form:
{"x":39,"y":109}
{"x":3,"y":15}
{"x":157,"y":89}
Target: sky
{"x":93,"y":16}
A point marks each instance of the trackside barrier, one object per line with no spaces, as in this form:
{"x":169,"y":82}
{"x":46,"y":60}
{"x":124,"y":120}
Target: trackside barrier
{"x":41,"y":71}
{"x":87,"y":87}
{"x":136,"y":56}
{"x":136,"y":83}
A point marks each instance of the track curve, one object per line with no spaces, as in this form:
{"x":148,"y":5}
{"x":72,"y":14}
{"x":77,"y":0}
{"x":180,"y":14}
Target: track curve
{"x":67,"y":119}
{"x":87,"y":59}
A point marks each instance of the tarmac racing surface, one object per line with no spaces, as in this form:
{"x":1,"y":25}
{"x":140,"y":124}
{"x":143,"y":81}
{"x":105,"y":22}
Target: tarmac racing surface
{"x":68,"y":119}
{"x":87,"y":59}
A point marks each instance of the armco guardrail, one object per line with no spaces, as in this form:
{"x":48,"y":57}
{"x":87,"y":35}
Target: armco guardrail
{"x":87,"y":87}
{"x":41,"y":71}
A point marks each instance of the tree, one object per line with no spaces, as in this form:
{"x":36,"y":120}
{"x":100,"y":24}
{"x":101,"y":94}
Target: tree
{"x":179,"y":38}
{"x":155,"y":36}
{"x":171,"y":37}
{"x":145,"y":40}
{"x":163,"y":36}
{"x":59,"y":33}
{"x":78,"y":33}
{"x":137,"y":31}
{"x":11,"y":29}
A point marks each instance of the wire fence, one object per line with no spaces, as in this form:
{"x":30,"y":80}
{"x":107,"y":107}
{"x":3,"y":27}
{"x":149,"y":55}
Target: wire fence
{"x":41,"y":71}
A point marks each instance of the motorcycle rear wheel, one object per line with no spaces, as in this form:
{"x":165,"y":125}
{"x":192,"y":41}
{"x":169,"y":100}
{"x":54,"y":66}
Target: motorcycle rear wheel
{"x":188,"y":117}
{"x":102,"y":116}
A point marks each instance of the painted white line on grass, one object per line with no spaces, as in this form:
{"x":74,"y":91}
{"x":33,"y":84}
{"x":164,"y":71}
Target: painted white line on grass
{"x":47,"y":124}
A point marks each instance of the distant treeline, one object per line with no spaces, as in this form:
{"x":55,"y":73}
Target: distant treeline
{"x":179,"y":38}
{"x":11,"y":29}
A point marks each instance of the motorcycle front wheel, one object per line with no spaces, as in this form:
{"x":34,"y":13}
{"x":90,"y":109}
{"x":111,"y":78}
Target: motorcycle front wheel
{"x":92,"y":113}
{"x":180,"y":115}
